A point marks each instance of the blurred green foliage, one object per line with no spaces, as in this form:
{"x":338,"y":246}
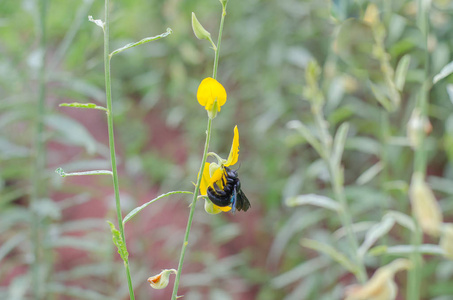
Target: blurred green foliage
{"x":266,"y":48}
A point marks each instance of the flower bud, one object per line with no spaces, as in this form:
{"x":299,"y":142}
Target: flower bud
{"x":198,"y":29}
{"x":371,"y":14}
{"x":212,"y":95}
{"x":210,"y":208}
{"x":416,"y":126}
{"x":160,"y":281}
{"x":446,"y":241}
{"x":424,"y":205}
{"x":381,"y":286}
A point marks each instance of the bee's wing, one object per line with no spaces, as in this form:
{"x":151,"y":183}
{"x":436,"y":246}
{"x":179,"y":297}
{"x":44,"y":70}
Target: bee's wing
{"x":242,"y":202}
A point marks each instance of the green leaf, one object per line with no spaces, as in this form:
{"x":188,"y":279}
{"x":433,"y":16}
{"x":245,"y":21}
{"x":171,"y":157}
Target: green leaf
{"x":338,"y":144}
{"x":401,"y":72}
{"x":118,"y":241}
{"x":446,"y":71}
{"x":375,"y":233}
{"x":312,"y":199}
{"x":402,"y":219}
{"x":143,"y":41}
{"x":138,"y":209}
{"x":410,"y":249}
{"x":72,"y":132}
{"x":306,"y":133}
{"x":332,"y":253}
{"x":305,"y":269}
{"x":370,"y":173}
{"x":62,"y":173}
{"x":83,"y":105}
{"x":381,"y":97}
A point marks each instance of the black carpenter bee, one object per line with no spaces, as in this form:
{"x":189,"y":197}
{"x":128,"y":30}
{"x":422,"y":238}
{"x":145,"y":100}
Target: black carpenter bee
{"x":231,"y":194}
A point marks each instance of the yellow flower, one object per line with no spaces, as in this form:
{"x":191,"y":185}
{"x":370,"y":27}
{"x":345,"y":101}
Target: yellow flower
{"x":381,"y":286}
{"x":446,"y":240}
{"x":160,"y":281}
{"x":425,"y":207}
{"x":212,"y":95}
{"x":214,"y":172}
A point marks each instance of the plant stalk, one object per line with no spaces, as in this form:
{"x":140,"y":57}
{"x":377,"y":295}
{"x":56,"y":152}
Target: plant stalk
{"x":108,"y":92}
{"x":38,"y":189}
{"x":203,"y":161}
{"x":338,"y":189}
{"x":420,"y":159}
{"x":219,"y":40}
{"x":192,"y":210}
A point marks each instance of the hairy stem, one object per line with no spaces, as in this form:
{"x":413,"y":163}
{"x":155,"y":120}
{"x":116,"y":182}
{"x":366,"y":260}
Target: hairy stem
{"x":192,"y":210}
{"x":420,"y":159}
{"x":338,"y":189}
{"x":203,"y":161}
{"x":219,"y":40}
{"x":38,"y":189}
{"x":108,"y":92}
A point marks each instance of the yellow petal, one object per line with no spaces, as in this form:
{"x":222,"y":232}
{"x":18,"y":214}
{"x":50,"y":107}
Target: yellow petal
{"x":205,"y":180}
{"x":217,"y":177}
{"x":234,"y":152}
{"x":210,"y":90}
{"x":223,"y":208}
{"x":213,"y":209}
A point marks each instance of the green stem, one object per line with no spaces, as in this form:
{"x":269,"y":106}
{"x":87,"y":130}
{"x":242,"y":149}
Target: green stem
{"x":420,"y":160}
{"x":38,"y":189}
{"x":108,"y":92}
{"x":346,"y":220}
{"x":338,"y":189}
{"x":203,"y":161}
{"x":192,"y":210}
{"x":217,"y":50}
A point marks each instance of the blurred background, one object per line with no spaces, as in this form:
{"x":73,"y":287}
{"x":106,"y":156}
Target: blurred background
{"x":160,"y":132}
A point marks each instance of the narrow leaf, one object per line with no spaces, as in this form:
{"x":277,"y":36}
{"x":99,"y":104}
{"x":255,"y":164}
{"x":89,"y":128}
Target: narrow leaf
{"x":450,"y":91}
{"x":83,"y":105}
{"x":143,"y":41}
{"x":62,"y":173}
{"x":312,"y":199}
{"x":138,"y":209}
{"x":369,"y":174}
{"x":402,"y":219}
{"x":331,"y":252}
{"x":306,"y":268}
{"x":431,"y":249}
{"x":447,"y":70}
{"x":381,"y":97}
{"x":401,"y":72}
{"x":306,"y":133}
{"x":375,"y":233}
{"x":338,"y":143}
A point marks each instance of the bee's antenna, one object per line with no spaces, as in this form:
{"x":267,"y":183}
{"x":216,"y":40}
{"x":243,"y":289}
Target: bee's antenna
{"x":238,"y":167}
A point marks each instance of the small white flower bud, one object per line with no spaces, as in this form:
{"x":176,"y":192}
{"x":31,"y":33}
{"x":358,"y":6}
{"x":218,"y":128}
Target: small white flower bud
{"x":160,"y":281}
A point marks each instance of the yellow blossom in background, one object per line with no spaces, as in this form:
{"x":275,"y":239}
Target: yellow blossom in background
{"x":212,"y":95}
{"x":381,"y":286}
{"x":425,"y":207}
{"x":446,"y":240}
{"x":160,"y":281}
{"x":214,"y":172}
{"x":371,"y":14}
